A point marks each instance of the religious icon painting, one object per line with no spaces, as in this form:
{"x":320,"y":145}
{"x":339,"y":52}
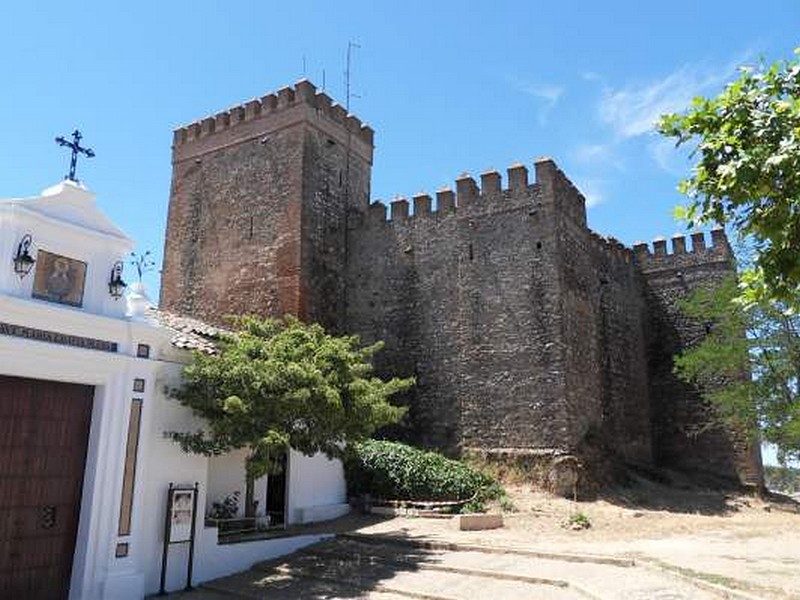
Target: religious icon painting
{"x":59,"y":279}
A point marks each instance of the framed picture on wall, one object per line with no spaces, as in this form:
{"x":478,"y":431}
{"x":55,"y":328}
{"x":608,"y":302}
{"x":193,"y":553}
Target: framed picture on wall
{"x":59,"y":279}
{"x":180,"y":521}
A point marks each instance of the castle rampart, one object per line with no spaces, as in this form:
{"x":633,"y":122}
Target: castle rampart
{"x":258,"y":208}
{"x":269,"y":114}
{"x":527,"y":332}
{"x":683,"y":425}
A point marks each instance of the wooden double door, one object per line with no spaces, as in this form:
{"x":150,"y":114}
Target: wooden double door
{"x":44,"y":433}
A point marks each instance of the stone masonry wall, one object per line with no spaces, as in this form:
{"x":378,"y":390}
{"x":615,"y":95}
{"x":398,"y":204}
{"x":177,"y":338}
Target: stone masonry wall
{"x":682,"y":439}
{"x":603,"y":312}
{"x":466,"y":299}
{"x":336,"y":191}
{"x":255,"y":220}
{"x":526,"y":331}
{"x":233,"y":231}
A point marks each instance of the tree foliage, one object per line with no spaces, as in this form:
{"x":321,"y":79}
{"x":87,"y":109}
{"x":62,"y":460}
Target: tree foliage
{"x":748,"y":365}
{"x":782,"y":479}
{"x":747,"y":145}
{"x":275,"y":384}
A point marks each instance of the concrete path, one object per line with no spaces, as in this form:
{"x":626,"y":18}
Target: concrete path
{"x":384,"y":569}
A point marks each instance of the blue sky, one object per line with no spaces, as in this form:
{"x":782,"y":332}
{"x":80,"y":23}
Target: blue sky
{"x":448,"y":86}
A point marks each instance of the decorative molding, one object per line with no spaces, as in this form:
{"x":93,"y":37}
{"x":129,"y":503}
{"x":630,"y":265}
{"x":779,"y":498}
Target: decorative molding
{"x":54,"y":337}
{"x":129,"y":475}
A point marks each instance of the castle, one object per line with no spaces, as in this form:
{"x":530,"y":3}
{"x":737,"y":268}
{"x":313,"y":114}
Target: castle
{"x":528,"y":333}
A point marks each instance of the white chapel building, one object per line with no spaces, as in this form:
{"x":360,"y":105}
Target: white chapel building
{"x":85,"y":467}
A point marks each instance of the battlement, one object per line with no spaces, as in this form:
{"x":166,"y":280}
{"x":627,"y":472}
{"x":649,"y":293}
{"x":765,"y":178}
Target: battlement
{"x":700,"y":253}
{"x":304,"y":93}
{"x":490,"y":196}
{"x":611,"y":246}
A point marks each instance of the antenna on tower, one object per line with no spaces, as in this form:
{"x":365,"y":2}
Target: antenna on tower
{"x":323,"y":80}
{"x":347,"y":93}
{"x":304,"y":66}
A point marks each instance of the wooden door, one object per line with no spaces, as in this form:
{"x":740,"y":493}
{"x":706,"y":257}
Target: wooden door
{"x":44,"y":431}
{"x":276,"y":494}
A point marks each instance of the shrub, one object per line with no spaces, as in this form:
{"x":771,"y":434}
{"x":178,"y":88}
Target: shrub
{"x":394,"y":471}
{"x":577,"y":521}
{"x":227,"y":509}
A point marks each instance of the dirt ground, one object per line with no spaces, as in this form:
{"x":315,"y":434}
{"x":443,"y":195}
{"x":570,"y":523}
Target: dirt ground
{"x":739,"y":541}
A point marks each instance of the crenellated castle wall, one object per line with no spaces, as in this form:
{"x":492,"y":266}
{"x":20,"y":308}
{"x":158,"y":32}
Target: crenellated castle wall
{"x":471,"y":314}
{"x":259,"y":204}
{"x":681,"y":436}
{"x":523,"y":328}
{"x":526,"y":331}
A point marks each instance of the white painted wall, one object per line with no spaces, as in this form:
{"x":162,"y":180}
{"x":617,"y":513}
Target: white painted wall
{"x":166,"y":462}
{"x":226,"y":474}
{"x":317,"y":489}
{"x":66,"y":221}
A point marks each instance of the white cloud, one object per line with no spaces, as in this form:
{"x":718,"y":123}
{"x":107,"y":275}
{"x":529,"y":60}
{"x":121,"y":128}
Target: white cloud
{"x":633,"y":109}
{"x":547,"y":96}
{"x":601,"y":155}
{"x":592,"y":190}
{"x":669,"y":158}
{"x":590,"y":152}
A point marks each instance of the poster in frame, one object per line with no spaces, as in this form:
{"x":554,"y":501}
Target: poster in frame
{"x":59,"y":279}
{"x":181,"y":513}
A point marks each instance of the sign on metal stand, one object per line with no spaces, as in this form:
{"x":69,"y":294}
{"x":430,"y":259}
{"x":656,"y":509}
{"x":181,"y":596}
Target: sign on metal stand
{"x":179,"y":528}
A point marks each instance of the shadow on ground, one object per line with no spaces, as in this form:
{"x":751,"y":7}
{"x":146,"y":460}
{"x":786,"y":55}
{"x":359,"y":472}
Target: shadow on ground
{"x":339,"y":568}
{"x":673,"y":492}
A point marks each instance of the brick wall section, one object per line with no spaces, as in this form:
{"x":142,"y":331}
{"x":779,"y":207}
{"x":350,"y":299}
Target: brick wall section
{"x":625,"y":402}
{"x":233,"y":230}
{"x":253,"y":189}
{"x":679,"y":414}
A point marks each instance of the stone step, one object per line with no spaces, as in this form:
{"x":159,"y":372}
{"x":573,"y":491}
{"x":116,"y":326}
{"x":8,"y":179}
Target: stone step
{"x":362,"y":554}
{"x":350,"y":559}
{"x":427,"y":585}
{"x":349,"y":568}
{"x":282,"y":584}
{"x":424,"y":543}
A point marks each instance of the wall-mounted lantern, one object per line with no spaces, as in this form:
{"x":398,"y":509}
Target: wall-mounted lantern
{"x":23,"y":261}
{"x":116,"y":286}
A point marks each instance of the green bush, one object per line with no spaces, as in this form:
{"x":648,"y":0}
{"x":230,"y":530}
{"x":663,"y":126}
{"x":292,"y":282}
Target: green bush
{"x":394,"y":471}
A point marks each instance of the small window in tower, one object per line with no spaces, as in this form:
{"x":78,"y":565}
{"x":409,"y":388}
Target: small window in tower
{"x":340,"y":178}
{"x":471,"y":253}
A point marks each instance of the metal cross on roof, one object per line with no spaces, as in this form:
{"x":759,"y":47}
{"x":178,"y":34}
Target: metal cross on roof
{"x":76,"y":147}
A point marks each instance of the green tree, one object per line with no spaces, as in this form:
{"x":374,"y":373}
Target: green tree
{"x":748,"y":365}
{"x":276,"y":384}
{"x":747,"y":144}
{"x":783,"y":479}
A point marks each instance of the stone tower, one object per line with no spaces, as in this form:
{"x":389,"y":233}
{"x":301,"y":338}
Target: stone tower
{"x":260,"y":201}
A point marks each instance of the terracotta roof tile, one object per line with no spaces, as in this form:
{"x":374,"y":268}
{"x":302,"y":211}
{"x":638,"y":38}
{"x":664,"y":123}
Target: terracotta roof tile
{"x":189,"y":333}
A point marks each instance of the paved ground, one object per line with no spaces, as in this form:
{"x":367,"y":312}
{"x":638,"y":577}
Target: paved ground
{"x":350,"y":569}
{"x":719,"y":547}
